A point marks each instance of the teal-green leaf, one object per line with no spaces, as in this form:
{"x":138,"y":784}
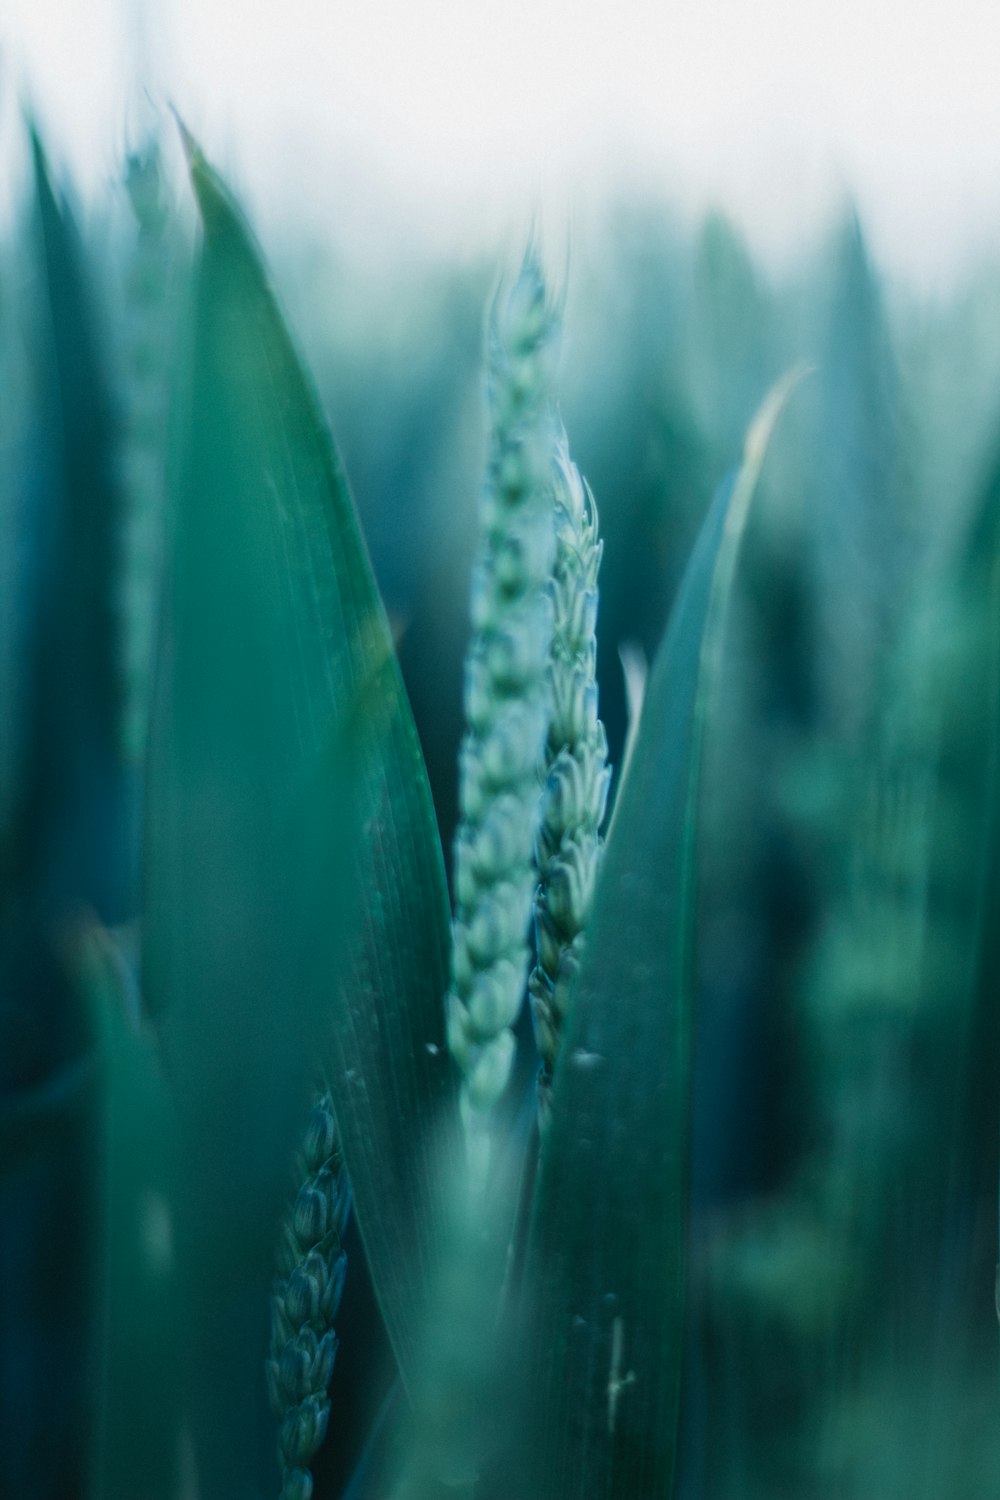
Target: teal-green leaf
{"x":297,"y":909}
{"x":605,"y":1283}
{"x":68,"y":839}
{"x":136,"y":1434}
{"x":62,"y":843}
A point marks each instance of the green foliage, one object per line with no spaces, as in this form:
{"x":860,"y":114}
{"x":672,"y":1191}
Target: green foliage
{"x":607,"y":1260}
{"x":62,"y":838}
{"x":285,"y":814}
{"x":64,"y":841}
{"x":729,"y":1224}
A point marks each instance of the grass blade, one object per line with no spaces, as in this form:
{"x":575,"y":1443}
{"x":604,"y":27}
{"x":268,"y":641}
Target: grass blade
{"x":281,"y":725}
{"x":69,"y":842}
{"x":62,"y":845}
{"x":606,"y":1262}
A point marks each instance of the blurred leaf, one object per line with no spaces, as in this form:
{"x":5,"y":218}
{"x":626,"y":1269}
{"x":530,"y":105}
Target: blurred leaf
{"x":862,"y":516}
{"x":68,"y":842}
{"x":731,"y":354}
{"x":40,"y":1118}
{"x":136,"y":1448}
{"x":607,"y":1259}
{"x":980,"y":575}
{"x":287,"y":800}
{"x":62,"y":844}
{"x":65,"y":840}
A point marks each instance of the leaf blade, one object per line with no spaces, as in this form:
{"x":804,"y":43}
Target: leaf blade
{"x":606,"y":1268}
{"x":287,"y":791}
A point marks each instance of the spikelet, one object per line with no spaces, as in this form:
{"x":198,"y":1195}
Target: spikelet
{"x":311,"y":1267}
{"x":506,"y":704}
{"x":577,"y":774}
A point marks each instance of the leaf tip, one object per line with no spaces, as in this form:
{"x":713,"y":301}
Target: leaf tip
{"x":763,"y":423}
{"x":192,"y":150}
{"x":207,"y":186}
{"x":39,"y":156}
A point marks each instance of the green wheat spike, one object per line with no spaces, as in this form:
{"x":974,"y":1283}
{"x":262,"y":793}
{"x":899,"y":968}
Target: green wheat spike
{"x":145,"y":401}
{"x":311,"y":1268}
{"x":14,"y":465}
{"x":506,"y":702}
{"x":577,"y":773}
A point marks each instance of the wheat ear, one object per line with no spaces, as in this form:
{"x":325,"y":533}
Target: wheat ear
{"x":577,"y":772}
{"x":311,"y":1267}
{"x":506,"y":703}
{"x":150,"y":313}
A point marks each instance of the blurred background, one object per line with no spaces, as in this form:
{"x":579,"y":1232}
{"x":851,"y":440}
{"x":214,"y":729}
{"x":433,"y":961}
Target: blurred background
{"x":721,"y":190}
{"x":452,"y":122}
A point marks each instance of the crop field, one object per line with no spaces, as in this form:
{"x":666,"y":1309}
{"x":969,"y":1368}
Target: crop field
{"x":499,"y":861}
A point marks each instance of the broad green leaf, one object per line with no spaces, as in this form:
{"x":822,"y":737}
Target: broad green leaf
{"x":605,"y":1282}
{"x":297,"y":910}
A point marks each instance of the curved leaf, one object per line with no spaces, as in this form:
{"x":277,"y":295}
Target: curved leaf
{"x":606,"y":1260}
{"x":297,"y":903}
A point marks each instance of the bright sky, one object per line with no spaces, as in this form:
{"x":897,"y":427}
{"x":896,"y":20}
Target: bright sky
{"x":465,"y":115}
